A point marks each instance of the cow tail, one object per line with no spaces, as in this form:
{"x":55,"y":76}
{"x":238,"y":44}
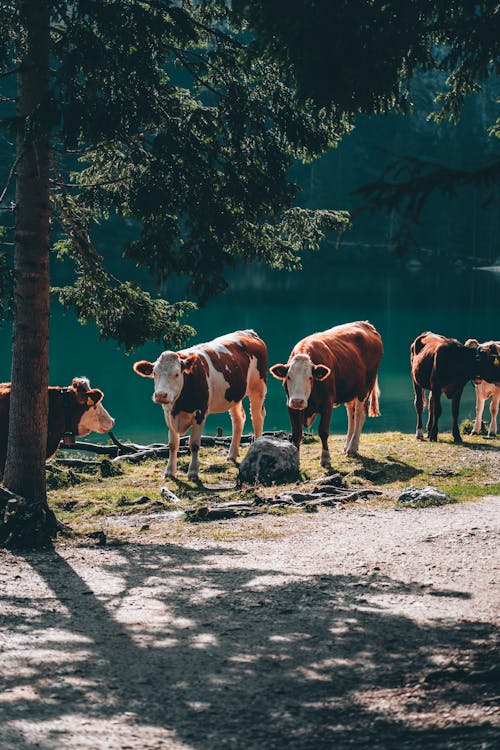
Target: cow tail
{"x":373,"y":409}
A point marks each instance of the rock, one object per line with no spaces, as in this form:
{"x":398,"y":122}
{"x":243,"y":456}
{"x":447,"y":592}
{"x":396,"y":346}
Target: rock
{"x":169,"y":496}
{"x":270,"y":460}
{"x":423,"y":496}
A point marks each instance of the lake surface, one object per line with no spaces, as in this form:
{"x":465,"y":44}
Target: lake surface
{"x":284,"y":308}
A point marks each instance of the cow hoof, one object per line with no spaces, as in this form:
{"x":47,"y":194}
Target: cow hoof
{"x":351,"y":453}
{"x":457,"y":440}
{"x":492,"y":434}
{"x":232,"y":460}
{"x":475,"y":432}
{"x":169,"y":474}
{"x":419,"y":435}
{"x":193,"y":476}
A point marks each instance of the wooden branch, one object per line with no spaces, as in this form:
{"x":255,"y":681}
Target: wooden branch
{"x":6,"y":73}
{"x":105,"y":450}
{"x":129,"y":448}
{"x":136,"y":458}
{"x":74,"y":185}
{"x":78,"y":463}
{"x":10,"y":176}
{"x":304,"y":500}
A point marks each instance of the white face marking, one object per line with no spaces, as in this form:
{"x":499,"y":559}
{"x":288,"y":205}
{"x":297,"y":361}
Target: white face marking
{"x":95,"y":419}
{"x":168,"y":378}
{"x":299,"y":381}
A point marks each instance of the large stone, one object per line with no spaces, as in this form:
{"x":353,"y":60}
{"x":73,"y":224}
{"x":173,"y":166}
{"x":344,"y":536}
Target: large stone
{"x":270,"y":461}
{"x":423,"y":496}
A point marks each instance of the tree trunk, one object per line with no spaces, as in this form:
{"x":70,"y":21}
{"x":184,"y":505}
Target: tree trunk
{"x":32,"y":524}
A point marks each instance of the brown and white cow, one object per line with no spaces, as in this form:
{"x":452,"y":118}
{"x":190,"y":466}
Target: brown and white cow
{"x":443,"y":365}
{"x":208,"y":379}
{"x":338,"y":366}
{"x":75,"y":410}
{"x":485,"y":390}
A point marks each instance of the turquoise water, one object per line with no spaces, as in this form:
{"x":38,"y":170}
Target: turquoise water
{"x":284,"y":308}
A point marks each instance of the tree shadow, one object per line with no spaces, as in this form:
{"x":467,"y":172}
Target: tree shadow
{"x":383,"y":472}
{"x":233,"y":657}
{"x":480,"y":446}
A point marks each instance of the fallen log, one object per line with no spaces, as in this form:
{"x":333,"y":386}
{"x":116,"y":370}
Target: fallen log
{"x":260,"y":505}
{"x":126,"y":447}
{"x":136,"y":458}
{"x":103,"y":450}
{"x":78,"y":463}
{"x":223,"y":510}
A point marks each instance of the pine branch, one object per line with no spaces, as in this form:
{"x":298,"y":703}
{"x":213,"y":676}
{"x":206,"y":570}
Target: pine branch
{"x":9,"y":178}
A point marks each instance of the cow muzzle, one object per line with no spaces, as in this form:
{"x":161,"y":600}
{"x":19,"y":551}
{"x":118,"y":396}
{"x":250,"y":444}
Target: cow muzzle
{"x":162,"y":398}
{"x":297,"y":403}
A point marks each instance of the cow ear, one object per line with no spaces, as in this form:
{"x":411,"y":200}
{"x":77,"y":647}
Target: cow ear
{"x":279,"y":371}
{"x":472,"y":343}
{"x":187,"y":363}
{"x":144,"y":368}
{"x":93,"y":397}
{"x":320,"y":372}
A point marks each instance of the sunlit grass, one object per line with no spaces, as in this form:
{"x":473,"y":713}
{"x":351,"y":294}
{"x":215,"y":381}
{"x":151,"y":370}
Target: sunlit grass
{"x":388,"y":462}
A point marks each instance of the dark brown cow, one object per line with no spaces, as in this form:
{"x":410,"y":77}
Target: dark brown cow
{"x":338,"y":366}
{"x":485,"y":390}
{"x":76,"y":410}
{"x":443,"y":365}
{"x":209,"y":379}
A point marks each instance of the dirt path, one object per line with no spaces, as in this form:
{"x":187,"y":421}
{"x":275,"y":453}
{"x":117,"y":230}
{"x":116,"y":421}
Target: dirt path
{"x":366,"y":627}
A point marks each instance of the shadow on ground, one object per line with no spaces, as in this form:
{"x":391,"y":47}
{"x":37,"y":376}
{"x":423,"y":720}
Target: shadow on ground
{"x":234,"y":659}
{"x":383,"y":472}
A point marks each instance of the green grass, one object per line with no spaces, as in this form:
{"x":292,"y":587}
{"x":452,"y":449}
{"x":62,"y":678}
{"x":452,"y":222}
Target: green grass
{"x":388,"y":462}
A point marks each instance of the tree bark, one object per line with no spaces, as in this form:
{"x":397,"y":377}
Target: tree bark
{"x":25,"y":464}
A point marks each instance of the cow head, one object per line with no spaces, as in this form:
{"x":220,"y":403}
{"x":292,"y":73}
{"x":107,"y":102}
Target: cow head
{"x":94,"y":417}
{"x":168,"y":372}
{"x":298,"y":377}
{"x":487,"y":360}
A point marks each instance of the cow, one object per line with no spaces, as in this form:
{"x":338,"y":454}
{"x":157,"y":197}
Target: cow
{"x":75,"y":410}
{"x":444,"y":365}
{"x":337,"y":366}
{"x":209,"y":378}
{"x":485,"y":390}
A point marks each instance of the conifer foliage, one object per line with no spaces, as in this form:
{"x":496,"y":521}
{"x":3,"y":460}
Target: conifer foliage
{"x":183,"y":116}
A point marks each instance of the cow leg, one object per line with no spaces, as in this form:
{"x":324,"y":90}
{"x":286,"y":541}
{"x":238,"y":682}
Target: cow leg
{"x":455,"y":405}
{"x":297,"y":422}
{"x":494,"y":412}
{"x":173,"y":444}
{"x":419,"y":407}
{"x":238,"y":417}
{"x":480,"y":401}
{"x":194,"y":447}
{"x":359,"y":420}
{"x":257,"y":412}
{"x":435,"y":412}
{"x":323,"y":432}
{"x":350,"y":408}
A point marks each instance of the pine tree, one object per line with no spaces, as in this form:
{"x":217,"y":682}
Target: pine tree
{"x":185,"y":116}
{"x":142,"y":109}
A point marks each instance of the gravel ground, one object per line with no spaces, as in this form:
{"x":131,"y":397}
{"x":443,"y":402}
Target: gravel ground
{"x":364,"y":627}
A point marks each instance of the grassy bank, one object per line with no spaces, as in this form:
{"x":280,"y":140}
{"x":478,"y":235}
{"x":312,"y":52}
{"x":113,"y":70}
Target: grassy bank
{"x":388,"y":461}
